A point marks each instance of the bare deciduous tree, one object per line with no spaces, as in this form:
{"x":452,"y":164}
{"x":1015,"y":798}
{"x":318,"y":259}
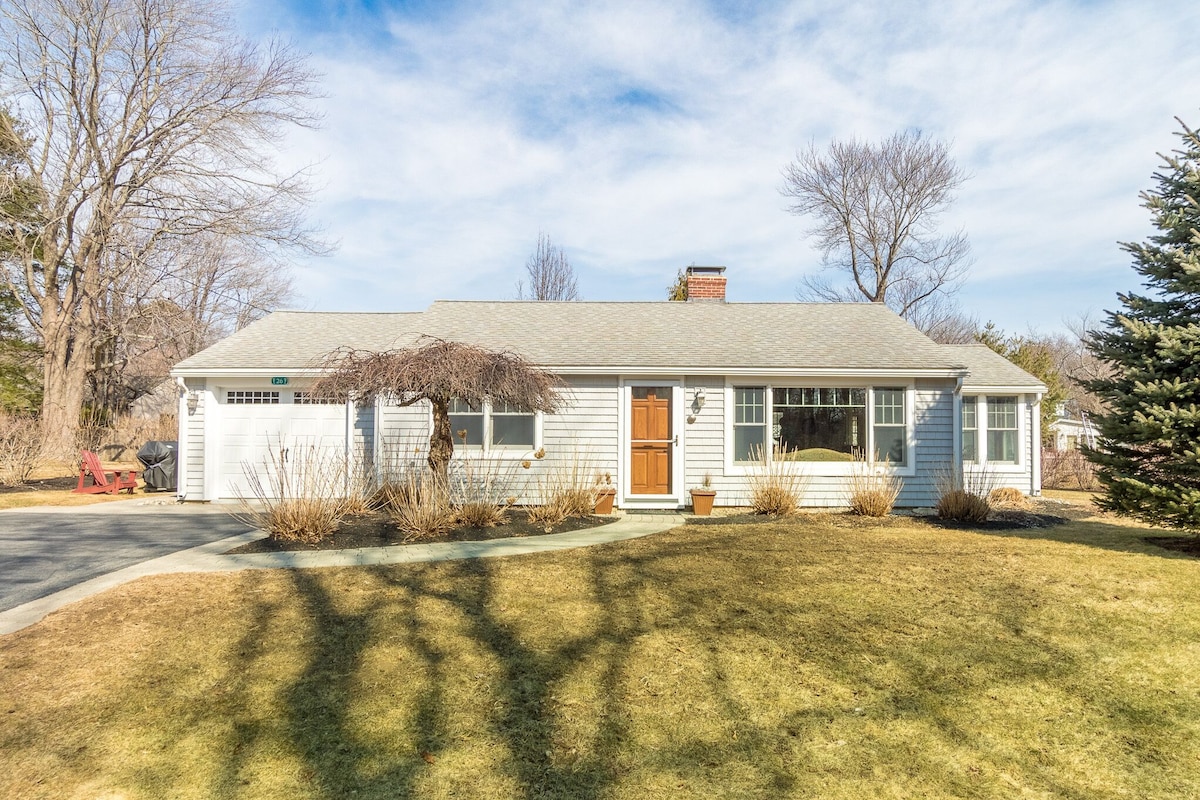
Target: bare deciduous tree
{"x":201,"y":289}
{"x":550,"y":275}
{"x":439,"y":371}
{"x":142,"y":122}
{"x":876,"y":207}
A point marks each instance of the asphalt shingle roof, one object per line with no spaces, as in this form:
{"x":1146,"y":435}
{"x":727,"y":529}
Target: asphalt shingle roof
{"x":989,"y":368}
{"x":854,"y":336}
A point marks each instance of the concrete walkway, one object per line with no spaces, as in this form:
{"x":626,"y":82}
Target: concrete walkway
{"x":210,"y":558}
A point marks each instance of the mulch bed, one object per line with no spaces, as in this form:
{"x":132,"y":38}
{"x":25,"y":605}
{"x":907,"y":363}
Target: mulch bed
{"x":377,"y":530}
{"x":43,"y":485}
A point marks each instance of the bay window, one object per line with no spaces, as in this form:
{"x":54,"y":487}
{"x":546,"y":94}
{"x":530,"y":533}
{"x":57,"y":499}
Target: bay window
{"x":820,"y":424}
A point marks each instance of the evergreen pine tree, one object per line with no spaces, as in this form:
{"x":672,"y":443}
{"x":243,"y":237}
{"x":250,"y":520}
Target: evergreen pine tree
{"x":1149,"y":448}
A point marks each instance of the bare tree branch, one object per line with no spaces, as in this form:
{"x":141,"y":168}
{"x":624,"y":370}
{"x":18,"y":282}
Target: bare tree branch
{"x":143,"y":122}
{"x":875,"y":208}
{"x":550,"y":275}
{"x":439,"y":371}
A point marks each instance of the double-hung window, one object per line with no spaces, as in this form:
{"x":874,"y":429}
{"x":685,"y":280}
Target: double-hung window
{"x":466,"y":423}
{"x":1002,"y":430}
{"x":511,"y":427}
{"x":891,"y":431}
{"x":500,"y":425}
{"x":749,"y":423}
{"x":970,"y":430}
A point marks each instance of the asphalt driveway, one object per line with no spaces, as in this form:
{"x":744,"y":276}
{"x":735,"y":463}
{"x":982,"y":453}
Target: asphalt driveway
{"x":46,"y":550}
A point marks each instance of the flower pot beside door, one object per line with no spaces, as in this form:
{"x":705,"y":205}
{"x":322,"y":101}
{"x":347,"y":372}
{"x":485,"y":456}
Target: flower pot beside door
{"x":702,"y":501}
{"x":604,"y":500}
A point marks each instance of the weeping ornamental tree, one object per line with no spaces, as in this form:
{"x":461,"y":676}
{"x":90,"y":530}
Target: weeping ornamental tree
{"x":439,"y":371}
{"x":1149,"y":450}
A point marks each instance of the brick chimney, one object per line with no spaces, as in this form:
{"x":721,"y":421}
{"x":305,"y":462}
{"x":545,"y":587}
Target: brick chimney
{"x":705,"y":284}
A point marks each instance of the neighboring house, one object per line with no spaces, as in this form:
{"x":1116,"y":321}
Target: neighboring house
{"x":659,"y":395}
{"x":1071,"y":433}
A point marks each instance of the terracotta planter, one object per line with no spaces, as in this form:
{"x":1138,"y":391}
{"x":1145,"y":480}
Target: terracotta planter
{"x":604,"y":500}
{"x":702,"y":501}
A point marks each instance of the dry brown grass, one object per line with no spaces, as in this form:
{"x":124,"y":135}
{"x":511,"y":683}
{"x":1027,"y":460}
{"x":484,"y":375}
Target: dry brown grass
{"x":757,"y":660}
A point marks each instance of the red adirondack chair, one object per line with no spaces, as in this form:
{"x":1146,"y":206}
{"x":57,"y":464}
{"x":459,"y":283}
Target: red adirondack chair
{"x":104,"y":481}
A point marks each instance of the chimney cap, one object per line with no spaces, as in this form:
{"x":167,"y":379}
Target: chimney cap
{"x":697,"y":270}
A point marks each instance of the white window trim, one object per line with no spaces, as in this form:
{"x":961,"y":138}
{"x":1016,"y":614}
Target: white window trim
{"x":826,"y":468}
{"x":981,"y":430}
{"x":487,"y":449}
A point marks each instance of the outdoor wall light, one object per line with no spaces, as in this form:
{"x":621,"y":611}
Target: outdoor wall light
{"x":193,"y":402}
{"x":699,"y":398}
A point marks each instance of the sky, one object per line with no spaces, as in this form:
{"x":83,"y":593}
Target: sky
{"x":643,"y":137}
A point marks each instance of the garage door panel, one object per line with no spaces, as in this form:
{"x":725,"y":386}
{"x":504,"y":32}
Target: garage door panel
{"x":255,"y":437}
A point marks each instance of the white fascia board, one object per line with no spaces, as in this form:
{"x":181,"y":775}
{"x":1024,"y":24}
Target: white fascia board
{"x":1039,"y":389}
{"x":791,"y":372}
{"x":257,"y":372}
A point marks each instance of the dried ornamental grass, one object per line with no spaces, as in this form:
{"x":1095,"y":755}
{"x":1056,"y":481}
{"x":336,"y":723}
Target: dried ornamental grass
{"x":1006,"y":495}
{"x":301,"y":496}
{"x":873,"y":490}
{"x":776,"y":488}
{"x":423,"y":509}
{"x":959,"y":505}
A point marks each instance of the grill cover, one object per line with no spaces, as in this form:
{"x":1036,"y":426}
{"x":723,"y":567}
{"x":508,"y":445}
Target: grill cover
{"x":159,"y":460}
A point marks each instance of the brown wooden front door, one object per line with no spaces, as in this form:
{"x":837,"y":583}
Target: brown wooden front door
{"x":650,"y":440}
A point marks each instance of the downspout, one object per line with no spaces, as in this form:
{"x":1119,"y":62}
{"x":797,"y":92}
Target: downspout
{"x":957,"y":468}
{"x":349,"y":448}
{"x":1035,"y":488}
{"x":181,"y":445}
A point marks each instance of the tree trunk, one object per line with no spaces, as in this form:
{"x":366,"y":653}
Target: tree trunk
{"x":441,"y":442}
{"x":64,"y":374}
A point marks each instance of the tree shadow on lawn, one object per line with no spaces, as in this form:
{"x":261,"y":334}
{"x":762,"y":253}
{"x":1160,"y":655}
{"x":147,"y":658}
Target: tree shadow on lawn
{"x":771,"y":680}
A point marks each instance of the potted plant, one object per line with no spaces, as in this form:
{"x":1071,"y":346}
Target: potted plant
{"x":605,"y":493}
{"x":702,"y":498}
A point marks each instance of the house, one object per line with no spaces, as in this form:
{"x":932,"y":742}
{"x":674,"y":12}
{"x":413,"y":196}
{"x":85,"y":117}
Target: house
{"x":659,"y":395}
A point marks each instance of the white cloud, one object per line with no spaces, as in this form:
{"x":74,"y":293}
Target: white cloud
{"x":647,"y":136}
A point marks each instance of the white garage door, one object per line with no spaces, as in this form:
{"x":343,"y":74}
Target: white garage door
{"x":260,"y":428}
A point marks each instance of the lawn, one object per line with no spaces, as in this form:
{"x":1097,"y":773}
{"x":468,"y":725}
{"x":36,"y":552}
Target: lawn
{"x":821,"y":657}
